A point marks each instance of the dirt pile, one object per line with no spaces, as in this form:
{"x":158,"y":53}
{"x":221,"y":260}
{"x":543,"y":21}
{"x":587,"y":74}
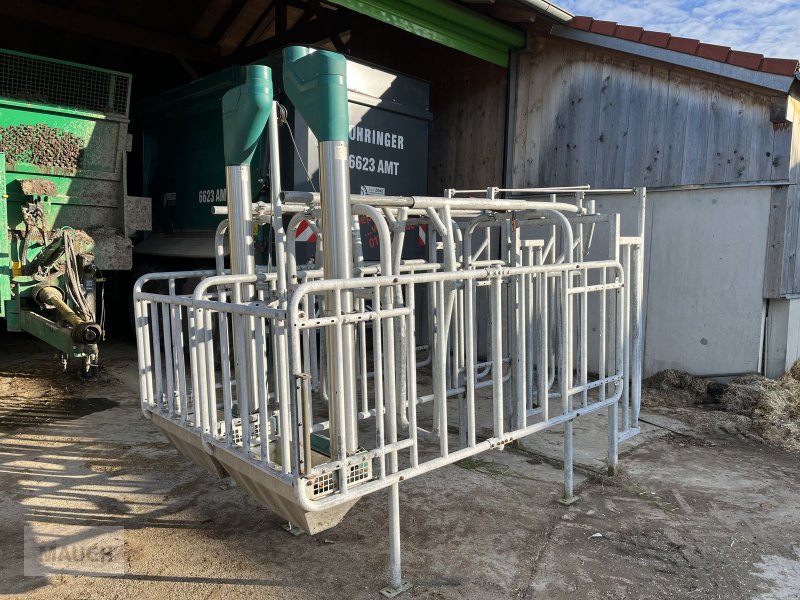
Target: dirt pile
{"x":752,"y":405}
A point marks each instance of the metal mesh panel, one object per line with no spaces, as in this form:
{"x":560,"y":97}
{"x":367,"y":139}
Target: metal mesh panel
{"x":46,"y":81}
{"x":327,"y":483}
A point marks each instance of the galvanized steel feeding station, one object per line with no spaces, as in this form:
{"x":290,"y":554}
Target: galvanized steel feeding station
{"x":313,"y":387}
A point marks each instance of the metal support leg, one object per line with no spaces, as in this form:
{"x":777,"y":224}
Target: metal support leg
{"x":568,"y":497}
{"x":396,"y":583}
{"x":613,"y":440}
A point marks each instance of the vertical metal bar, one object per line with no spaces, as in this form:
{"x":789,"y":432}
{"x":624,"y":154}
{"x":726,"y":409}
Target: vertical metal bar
{"x":201,"y":397}
{"x":169,"y":366}
{"x":601,"y":350}
{"x":261,"y":389}
{"x":364,"y":370}
{"x":194,"y":364}
{"x":411,"y":372}
{"x":156,"y":331}
{"x":543,"y":389}
{"x":637,"y":335}
{"x":177,"y":351}
{"x":616,"y":344}
{"x":613,"y":409}
{"x":337,"y":264}
{"x":584,"y":338}
{"x":626,"y":364}
{"x":497,"y":356}
{"x":338,"y":392}
{"x":211,"y":382}
{"x":282,"y":393}
{"x":517,"y":335}
{"x":225,"y":367}
{"x":636,"y":277}
{"x":395,"y":573}
{"x":377,"y":359}
{"x":440,"y":370}
{"x":143,"y":349}
{"x":565,"y":382}
{"x":469,"y":322}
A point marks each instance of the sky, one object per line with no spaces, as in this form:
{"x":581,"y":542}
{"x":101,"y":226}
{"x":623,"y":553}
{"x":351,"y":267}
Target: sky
{"x":769,"y":27}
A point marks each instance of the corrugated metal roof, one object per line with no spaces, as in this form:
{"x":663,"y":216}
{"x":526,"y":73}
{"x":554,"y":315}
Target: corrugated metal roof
{"x":723,"y":54}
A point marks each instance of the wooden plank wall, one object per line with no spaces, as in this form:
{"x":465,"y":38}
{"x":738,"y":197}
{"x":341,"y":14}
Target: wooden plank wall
{"x":589,"y":115}
{"x":585,"y":115}
{"x":468,"y":102}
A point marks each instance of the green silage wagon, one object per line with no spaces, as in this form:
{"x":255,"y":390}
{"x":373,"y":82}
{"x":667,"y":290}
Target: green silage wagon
{"x":67,"y":217}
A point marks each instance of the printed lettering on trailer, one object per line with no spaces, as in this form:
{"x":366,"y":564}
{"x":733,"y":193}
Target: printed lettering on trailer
{"x":213,"y":196}
{"x":376,"y":137}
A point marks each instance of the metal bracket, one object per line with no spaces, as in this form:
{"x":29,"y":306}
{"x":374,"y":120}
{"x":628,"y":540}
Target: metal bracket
{"x":568,"y":500}
{"x":390,"y":591}
{"x":293,"y":529}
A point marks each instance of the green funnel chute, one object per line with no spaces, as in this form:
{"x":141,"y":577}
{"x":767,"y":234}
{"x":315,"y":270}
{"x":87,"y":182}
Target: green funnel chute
{"x":316,"y":83}
{"x":245,"y":110}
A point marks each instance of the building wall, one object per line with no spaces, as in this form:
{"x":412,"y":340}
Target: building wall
{"x":705,"y":263}
{"x":586,"y":115}
{"x":717,"y":159}
{"x":468,"y":103}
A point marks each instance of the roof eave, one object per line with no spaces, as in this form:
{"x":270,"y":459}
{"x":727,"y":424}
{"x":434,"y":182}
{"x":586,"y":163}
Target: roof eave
{"x":770,"y":81}
{"x":547,"y":8}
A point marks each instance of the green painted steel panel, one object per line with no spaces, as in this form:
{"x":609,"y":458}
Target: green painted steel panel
{"x":63,"y":125}
{"x":185,"y":184}
{"x":5,"y":243}
{"x":447,"y":24}
{"x":90,"y":194}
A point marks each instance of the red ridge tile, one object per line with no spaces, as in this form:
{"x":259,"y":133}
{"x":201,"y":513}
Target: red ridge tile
{"x":604,"y":27}
{"x":685,"y":45}
{"x":779,"y":66}
{"x":713,"y":52}
{"x":655,"y":38}
{"x":748,"y":60}
{"x":626,"y":32}
{"x":583,"y":23}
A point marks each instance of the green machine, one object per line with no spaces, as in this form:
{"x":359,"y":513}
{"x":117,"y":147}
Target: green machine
{"x":181,"y":139}
{"x":64,"y":142}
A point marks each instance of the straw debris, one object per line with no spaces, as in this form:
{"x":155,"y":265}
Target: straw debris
{"x":751,"y":405}
{"x":674,"y":389}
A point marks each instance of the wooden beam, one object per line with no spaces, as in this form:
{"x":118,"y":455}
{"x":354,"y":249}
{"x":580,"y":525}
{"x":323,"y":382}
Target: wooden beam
{"x":223,"y":25}
{"x":207,"y":19}
{"x":64,"y":19}
{"x":260,"y":24}
{"x":308,"y":33}
{"x":334,"y":35}
{"x":281,"y":19}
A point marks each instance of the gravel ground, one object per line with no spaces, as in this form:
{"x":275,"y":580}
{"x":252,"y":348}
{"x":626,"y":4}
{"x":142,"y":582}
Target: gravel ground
{"x":693,"y":515}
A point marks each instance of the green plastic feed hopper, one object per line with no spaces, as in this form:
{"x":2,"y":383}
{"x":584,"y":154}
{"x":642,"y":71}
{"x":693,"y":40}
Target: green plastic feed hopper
{"x":245,"y":110}
{"x":316,"y":83}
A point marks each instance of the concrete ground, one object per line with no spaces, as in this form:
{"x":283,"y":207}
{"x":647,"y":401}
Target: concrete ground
{"x":691,"y":516}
